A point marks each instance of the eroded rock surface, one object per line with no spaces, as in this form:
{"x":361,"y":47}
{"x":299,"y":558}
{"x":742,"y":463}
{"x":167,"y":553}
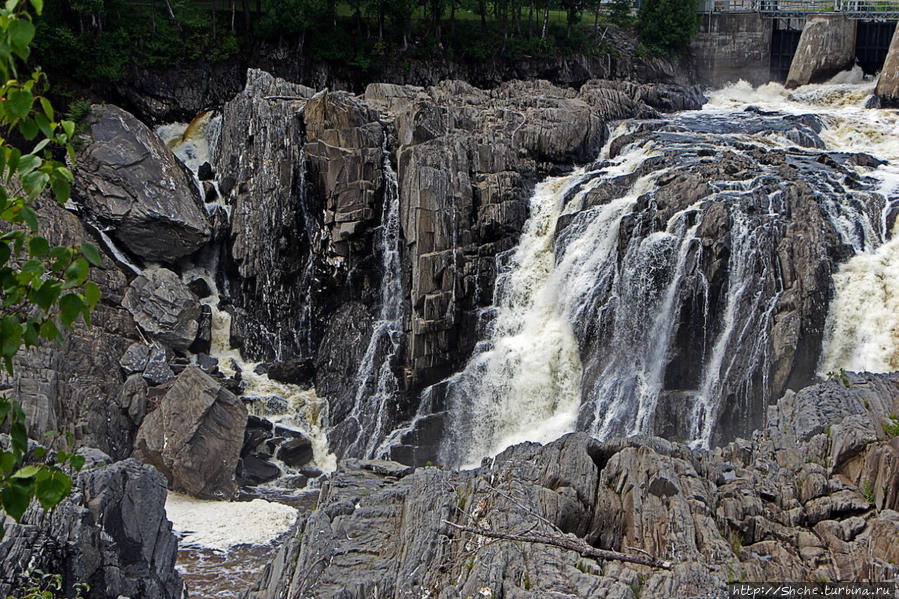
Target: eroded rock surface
{"x":791,"y":504}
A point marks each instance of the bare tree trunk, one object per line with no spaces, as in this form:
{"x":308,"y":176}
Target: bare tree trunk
{"x":233,"y":11}
{"x":482,"y":9}
{"x":453,"y":18}
{"x":246,"y":15}
{"x":545,"y":21}
{"x":578,"y":545}
{"x":171,"y":15}
{"x":530,"y":20}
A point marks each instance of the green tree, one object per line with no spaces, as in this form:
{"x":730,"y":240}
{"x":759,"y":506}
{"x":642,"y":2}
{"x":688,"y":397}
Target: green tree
{"x":668,"y":25}
{"x":42,"y":288}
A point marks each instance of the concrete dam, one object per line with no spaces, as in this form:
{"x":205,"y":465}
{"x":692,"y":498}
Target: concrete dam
{"x":797,"y":42}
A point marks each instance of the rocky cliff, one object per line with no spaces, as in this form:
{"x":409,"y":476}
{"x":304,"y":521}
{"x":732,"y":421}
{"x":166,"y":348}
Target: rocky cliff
{"x":308,"y":268}
{"x":110,"y":533}
{"x":812,"y":496}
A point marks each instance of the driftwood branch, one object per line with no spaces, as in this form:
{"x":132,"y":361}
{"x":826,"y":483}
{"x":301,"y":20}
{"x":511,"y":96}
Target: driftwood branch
{"x":289,"y":98}
{"x":578,"y":546}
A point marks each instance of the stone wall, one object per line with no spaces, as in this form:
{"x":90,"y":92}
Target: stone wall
{"x":730,"y":47}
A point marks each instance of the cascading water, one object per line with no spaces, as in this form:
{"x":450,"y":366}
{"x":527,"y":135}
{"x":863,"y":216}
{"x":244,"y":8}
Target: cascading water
{"x":630,"y":308}
{"x":239,"y":537}
{"x":376,"y":384}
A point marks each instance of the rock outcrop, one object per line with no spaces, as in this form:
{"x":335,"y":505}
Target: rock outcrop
{"x":111,"y":533}
{"x":826,"y":47}
{"x":164,"y":307}
{"x":888,"y":84}
{"x":77,"y":386}
{"x":812,"y":497}
{"x":194,"y":436}
{"x":130,"y":183}
{"x":272,"y":228}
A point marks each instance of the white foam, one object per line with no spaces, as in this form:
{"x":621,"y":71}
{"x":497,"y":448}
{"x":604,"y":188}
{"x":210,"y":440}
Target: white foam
{"x":221,"y":525}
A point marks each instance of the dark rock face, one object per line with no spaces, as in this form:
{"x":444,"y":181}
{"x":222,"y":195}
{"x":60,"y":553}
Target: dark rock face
{"x":737,"y":512}
{"x":194,"y":437}
{"x":111,"y":533}
{"x":128,"y":180}
{"x":164,"y":307}
{"x":261,"y":166}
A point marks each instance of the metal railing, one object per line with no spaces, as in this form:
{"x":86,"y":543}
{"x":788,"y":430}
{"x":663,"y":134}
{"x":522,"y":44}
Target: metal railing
{"x":856,"y":9}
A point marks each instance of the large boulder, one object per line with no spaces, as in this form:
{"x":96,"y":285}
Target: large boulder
{"x":128,"y":180}
{"x":826,"y":47}
{"x":164,"y":307}
{"x":111,"y":532}
{"x":888,"y":83}
{"x":194,"y":436}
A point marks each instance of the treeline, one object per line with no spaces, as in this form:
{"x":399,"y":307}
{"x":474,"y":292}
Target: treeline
{"x":96,"y":40}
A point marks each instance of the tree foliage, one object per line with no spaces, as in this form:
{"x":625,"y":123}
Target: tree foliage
{"x":668,"y":25}
{"x":43,"y":288}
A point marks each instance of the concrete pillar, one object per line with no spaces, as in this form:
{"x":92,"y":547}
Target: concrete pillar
{"x":888,"y":84}
{"x":826,"y":47}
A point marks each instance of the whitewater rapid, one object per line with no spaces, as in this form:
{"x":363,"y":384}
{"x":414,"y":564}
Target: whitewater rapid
{"x":523,"y":382}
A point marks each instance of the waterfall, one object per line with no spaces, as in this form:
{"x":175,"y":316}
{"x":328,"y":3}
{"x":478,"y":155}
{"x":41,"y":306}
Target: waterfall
{"x":615,"y":315}
{"x":376,"y":385}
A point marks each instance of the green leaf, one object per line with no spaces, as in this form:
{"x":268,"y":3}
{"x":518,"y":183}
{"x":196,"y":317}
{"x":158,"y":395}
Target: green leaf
{"x":32,"y":335}
{"x":21,"y":32}
{"x":29,"y":129}
{"x":4,"y":252}
{"x":69,"y":128}
{"x":49,"y":330}
{"x":29,"y":217}
{"x":16,"y":499}
{"x":76,"y":273}
{"x":91,"y":294}
{"x":19,"y":103}
{"x":90,"y":252}
{"x":38,"y":246}
{"x":45,"y":103}
{"x":61,"y":190}
{"x":34,"y":183}
{"x":12,"y":162}
{"x":52,"y":490}
{"x":43,"y":124}
{"x":70,"y":306}
{"x":39,"y":452}
{"x":10,"y":336}
{"x":7,"y":462}
{"x":46,"y":295}
{"x":28,"y":163}
{"x":77,"y":462}
{"x":26,"y":472}
{"x":38,"y":6}
{"x":66,"y":173}
{"x":40,"y":146}
{"x":19,"y":436}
